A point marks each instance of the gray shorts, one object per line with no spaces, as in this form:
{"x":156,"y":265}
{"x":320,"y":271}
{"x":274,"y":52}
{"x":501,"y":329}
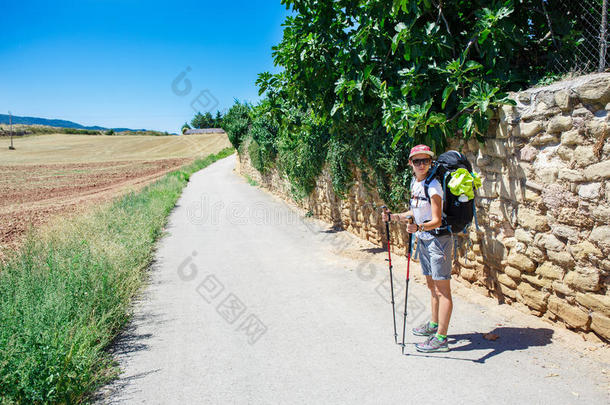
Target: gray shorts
{"x":435,"y":257}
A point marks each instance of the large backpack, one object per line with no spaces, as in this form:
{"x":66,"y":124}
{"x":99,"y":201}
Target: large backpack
{"x":458,"y":211}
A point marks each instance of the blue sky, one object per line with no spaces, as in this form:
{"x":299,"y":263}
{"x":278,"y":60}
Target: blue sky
{"x":112,"y":63}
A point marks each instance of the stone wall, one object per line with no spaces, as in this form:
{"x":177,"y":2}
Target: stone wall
{"x":543,"y":241}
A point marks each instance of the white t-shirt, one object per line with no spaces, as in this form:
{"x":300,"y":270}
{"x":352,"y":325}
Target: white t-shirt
{"x":422,"y":209}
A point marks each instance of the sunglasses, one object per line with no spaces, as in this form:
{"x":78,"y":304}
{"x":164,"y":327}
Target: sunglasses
{"x":418,"y":162}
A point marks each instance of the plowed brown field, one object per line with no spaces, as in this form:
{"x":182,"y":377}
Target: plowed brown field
{"x":51,"y":176}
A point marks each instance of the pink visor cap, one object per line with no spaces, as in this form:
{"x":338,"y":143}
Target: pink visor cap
{"x":421,"y":149}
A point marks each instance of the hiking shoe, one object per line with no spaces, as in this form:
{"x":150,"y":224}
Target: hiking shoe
{"x":425,"y":330}
{"x":433,"y":344}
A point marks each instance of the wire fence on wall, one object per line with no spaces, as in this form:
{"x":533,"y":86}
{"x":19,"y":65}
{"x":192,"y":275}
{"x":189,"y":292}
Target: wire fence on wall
{"x":589,"y":18}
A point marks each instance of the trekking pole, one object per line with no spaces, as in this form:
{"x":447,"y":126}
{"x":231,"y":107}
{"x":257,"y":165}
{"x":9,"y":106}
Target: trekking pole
{"x":404,"y":320}
{"x":387,"y":234}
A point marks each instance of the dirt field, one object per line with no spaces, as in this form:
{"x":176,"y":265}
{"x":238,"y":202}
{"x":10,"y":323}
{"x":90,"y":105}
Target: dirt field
{"x":50,"y":176}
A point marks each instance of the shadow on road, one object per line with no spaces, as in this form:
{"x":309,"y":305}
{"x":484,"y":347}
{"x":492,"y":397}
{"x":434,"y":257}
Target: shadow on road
{"x":509,"y":339}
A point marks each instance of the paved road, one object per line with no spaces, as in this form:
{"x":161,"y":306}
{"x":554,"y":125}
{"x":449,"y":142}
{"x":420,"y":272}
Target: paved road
{"x":249,"y":302}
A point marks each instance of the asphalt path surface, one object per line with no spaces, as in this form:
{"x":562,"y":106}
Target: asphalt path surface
{"x":250,"y":301}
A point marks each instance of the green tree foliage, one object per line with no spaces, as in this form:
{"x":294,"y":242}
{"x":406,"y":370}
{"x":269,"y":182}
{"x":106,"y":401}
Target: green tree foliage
{"x":217,"y":121}
{"x":202,"y":120}
{"x":237,"y":123}
{"x":383,"y":75}
{"x":206,"y":120}
{"x":185,"y":127}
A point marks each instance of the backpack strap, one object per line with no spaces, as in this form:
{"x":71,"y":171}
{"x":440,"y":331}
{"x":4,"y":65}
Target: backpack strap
{"x":474,"y":209}
{"x":428,"y":181}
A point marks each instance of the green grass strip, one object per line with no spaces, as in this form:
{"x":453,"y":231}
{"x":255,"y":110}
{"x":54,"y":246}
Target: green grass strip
{"x":67,"y":292}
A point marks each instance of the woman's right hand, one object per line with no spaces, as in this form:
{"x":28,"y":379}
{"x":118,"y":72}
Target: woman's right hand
{"x":384,"y":217}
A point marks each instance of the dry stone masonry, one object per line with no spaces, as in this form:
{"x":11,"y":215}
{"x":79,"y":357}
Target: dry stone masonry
{"x":543,"y":242}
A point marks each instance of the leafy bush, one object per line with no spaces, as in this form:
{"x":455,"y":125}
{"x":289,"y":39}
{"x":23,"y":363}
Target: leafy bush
{"x":237,"y":123}
{"x":256,"y":158}
{"x":302,"y":148}
{"x":185,"y":127}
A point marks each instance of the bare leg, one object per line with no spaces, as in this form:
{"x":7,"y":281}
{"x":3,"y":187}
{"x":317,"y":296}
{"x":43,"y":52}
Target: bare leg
{"x":445,"y":305}
{"x":433,"y":299}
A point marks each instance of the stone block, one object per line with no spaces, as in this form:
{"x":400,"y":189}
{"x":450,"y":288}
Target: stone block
{"x":595,"y":302}
{"x":567,"y":232}
{"x":529,"y":129}
{"x":548,"y":174}
{"x":532,"y":297}
{"x":565,"y":153}
{"x":528,"y":153}
{"x":550,"y":242}
{"x":601,"y":213}
{"x":507,"y":291}
{"x":563,"y":259}
{"x":596,"y":128}
{"x":523,"y":235}
{"x":601,"y":235}
{"x":542,"y":107}
{"x":601,"y":325}
{"x":584,"y":156}
{"x":559,"y":123}
{"x":507,"y":281}
{"x":562,"y":99}
{"x":582,"y":112}
{"x":535,"y":253}
{"x":550,"y":270}
{"x":532,"y":196}
{"x":521,"y":262}
{"x":572,"y":138}
{"x":572,"y":315}
{"x":583,"y":279}
{"x":512,"y":272}
{"x":591,"y":191}
{"x":562,"y":288}
{"x":531,"y":219}
{"x":571,"y":175}
{"x":537,"y":281}
{"x":544,"y":139}
{"x":595,"y":91}
{"x":548,"y":97}
{"x":468,"y":274}
{"x":598,"y":171}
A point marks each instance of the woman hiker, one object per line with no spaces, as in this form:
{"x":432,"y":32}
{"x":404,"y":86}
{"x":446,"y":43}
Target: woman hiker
{"x":434,"y":250}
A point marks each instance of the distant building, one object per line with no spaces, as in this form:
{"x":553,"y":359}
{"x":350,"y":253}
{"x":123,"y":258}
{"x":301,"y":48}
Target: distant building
{"x":198,"y":131}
